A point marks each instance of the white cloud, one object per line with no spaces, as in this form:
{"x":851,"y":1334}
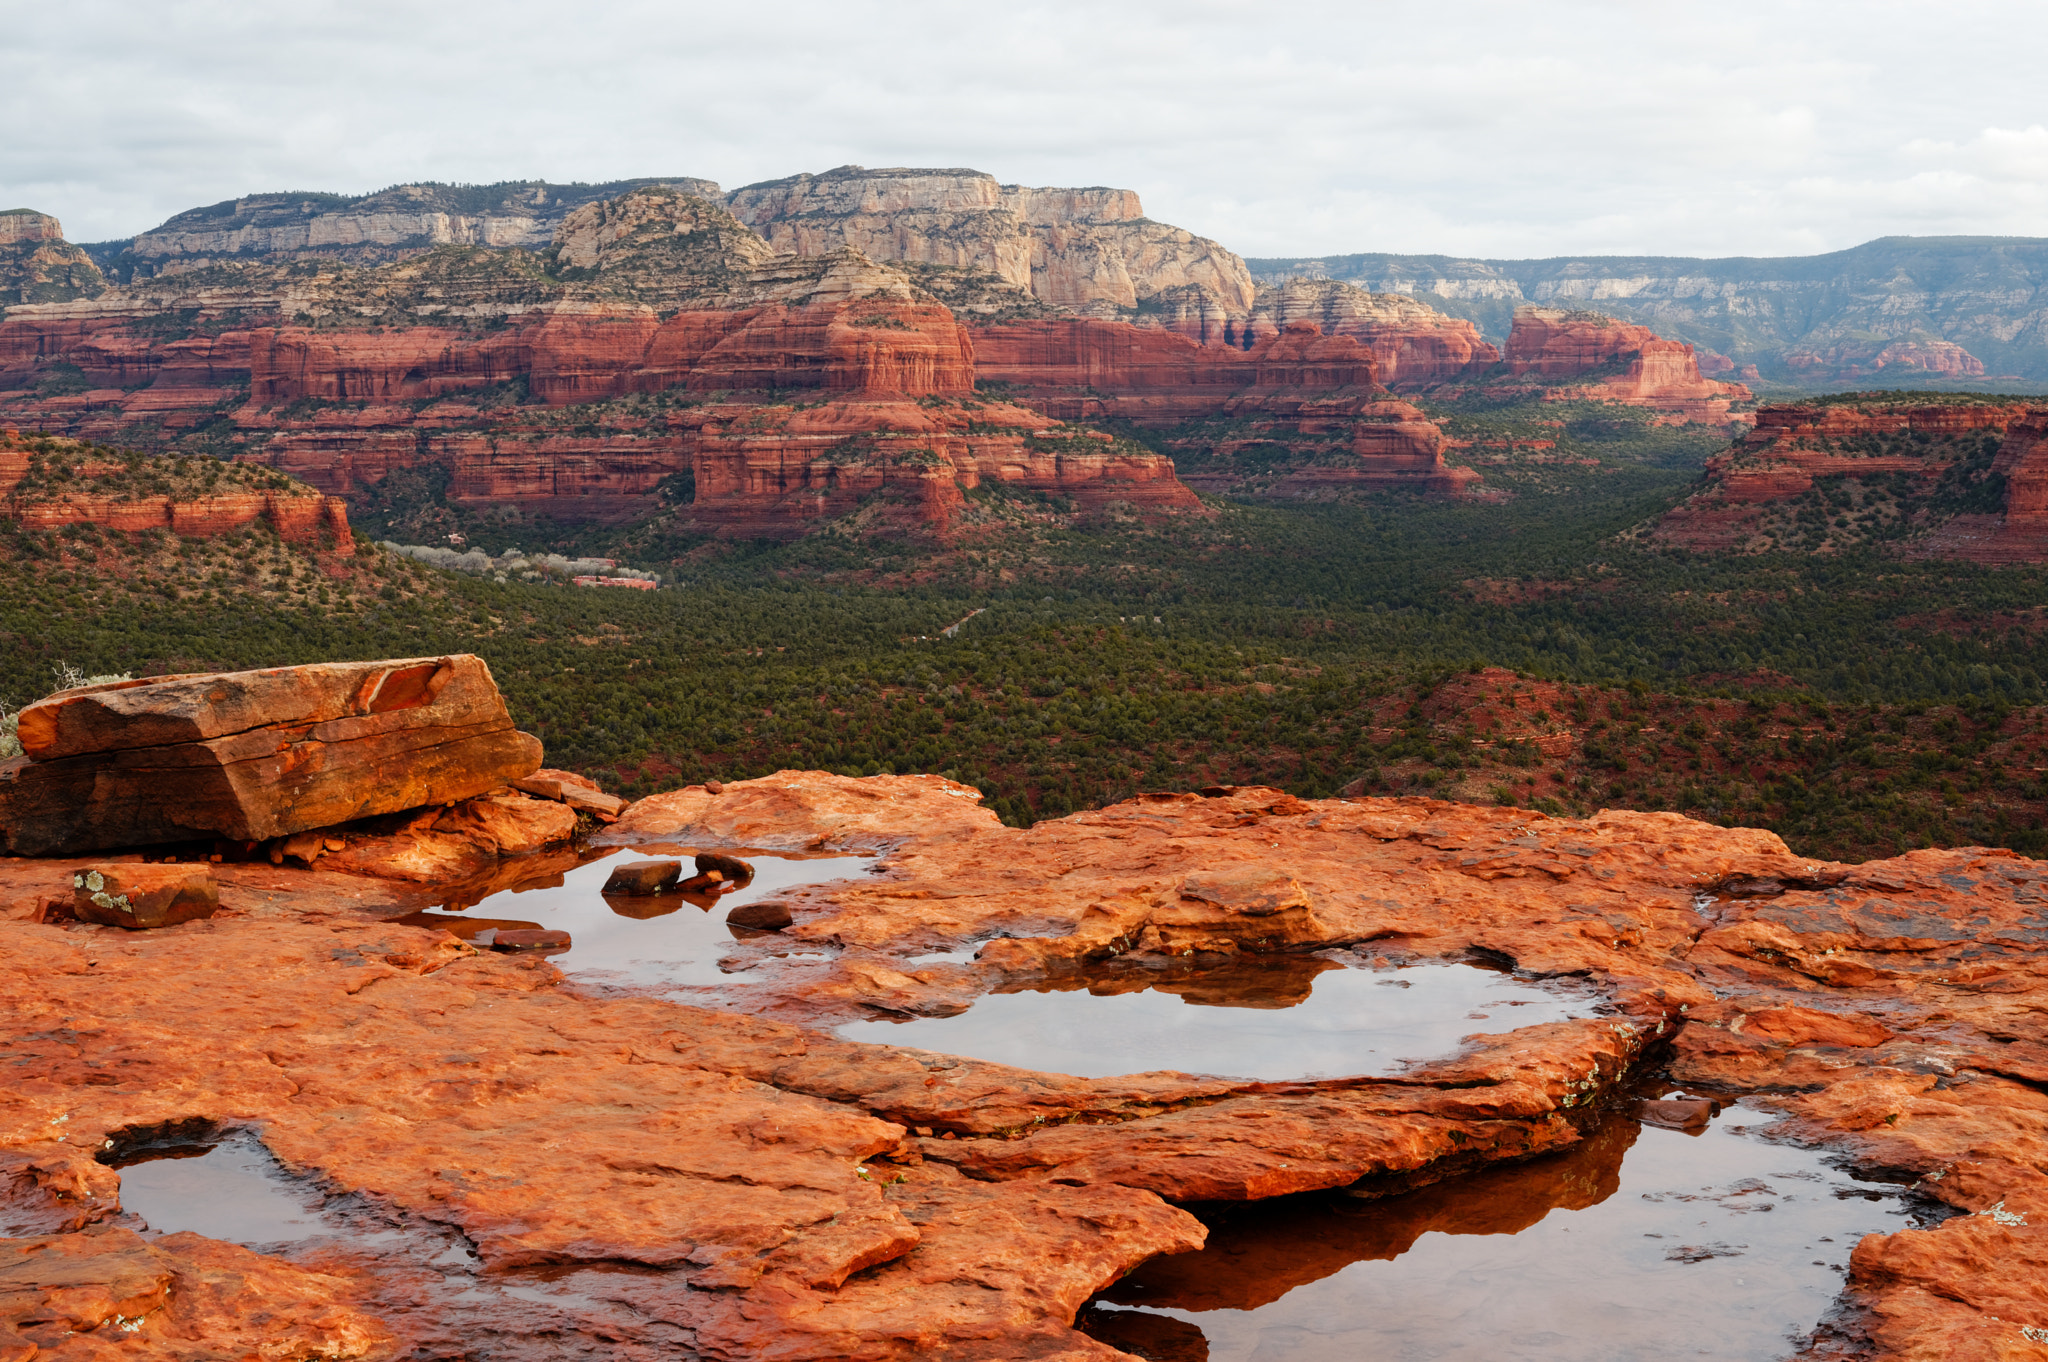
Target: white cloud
{"x":1493,"y":127}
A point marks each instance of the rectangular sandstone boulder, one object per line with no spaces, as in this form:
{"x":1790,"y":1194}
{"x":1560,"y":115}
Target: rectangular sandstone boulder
{"x":248,"y":756}
{"x":162,"y":710}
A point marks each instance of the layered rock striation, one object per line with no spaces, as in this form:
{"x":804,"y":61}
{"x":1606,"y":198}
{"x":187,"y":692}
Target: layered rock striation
{"x":656,"y":292}
{"x":1293,"y":385}
{"x":252,"y":756}
{"x":1079,"y":248}
{"x":1577,"y":356}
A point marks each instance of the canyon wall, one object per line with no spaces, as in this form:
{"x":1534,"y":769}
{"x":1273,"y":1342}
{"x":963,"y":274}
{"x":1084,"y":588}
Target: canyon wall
{"x":789,"y":387}
{"x":1905,"y":310}
{"x":1315,"y":397}
{"x":1569,"y":355}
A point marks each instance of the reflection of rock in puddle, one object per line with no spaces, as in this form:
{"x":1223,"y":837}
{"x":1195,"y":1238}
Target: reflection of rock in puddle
{"x":642,"y":940}
{"x":1641,"y":1242}
{"x":1270,"y":1017}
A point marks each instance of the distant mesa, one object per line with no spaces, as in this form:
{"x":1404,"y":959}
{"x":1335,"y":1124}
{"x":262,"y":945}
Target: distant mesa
{"x":1902,"y":311}
{"x":25,"y":224}
{"x":37,"y":265}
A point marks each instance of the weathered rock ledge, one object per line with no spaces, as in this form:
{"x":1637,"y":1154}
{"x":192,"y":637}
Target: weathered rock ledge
{"x":731,"y":1183}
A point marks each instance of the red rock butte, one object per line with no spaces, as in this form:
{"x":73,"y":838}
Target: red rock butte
{"x":1867,"y":439}
{"x":1586,"y":356}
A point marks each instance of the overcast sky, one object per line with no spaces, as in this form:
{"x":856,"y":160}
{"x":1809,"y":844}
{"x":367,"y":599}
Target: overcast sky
{"x":1475,"y":128}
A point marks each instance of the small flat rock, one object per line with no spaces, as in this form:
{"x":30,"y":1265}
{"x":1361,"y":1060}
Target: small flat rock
{"x":530,"y":939}
{"x":763,"y":915}
{"x":140,"y":897}
{"x":643,"y":877}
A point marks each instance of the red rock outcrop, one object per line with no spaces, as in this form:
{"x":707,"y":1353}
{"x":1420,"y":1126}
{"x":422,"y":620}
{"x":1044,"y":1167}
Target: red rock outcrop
{"x":1780,"y":458}
{"x":108,"y":1292}
{"x":398,"y":402}
{"x":1292,"y":382}
{"x":1078,"y":368}
{"x":250,"y":756}
{"x":772,"y":471}
{"x":115,"y":496}
{"x":1588,"y":356}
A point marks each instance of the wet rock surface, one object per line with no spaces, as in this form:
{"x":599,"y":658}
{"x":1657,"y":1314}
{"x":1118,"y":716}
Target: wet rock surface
{"x":728,"y":1180}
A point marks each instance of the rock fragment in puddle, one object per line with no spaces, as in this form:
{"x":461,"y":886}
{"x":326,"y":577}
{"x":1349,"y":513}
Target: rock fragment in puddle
{"x":527,"y":939}
{"x":140,"y":897}
{"x":762,"y":915}
{"x":732,"y":869}
{"x":639,"y":878}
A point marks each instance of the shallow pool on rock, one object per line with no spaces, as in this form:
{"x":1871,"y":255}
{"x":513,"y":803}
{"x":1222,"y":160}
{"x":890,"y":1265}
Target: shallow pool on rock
{"x":1262,"y":1018}
{"x":1639,"y":1243}
{"x":655,"y":940}
{"x":233,"y":1190}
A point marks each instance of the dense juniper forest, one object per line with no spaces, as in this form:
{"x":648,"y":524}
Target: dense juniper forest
{"x":1522,"y":649}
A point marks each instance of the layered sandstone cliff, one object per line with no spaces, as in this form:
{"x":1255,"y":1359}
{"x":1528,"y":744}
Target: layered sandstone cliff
{"x":25,"y":224}
{"x":1314,"y":395}
{"x":1073,"y":247}
{"x":381,"y":226}
{"x":1414,"y":345}
{"x":457,"y":358}
{"x":1574,"y":356}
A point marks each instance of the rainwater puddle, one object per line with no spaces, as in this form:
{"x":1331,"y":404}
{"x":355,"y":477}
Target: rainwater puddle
{"x":654,"y":940}
{"x":1642,"y":1242}
{"x":233,"y":1190}
{"x":1270,"y":1018}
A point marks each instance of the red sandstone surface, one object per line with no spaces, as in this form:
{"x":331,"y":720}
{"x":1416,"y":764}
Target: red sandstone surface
{"x":740,"y":1185}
